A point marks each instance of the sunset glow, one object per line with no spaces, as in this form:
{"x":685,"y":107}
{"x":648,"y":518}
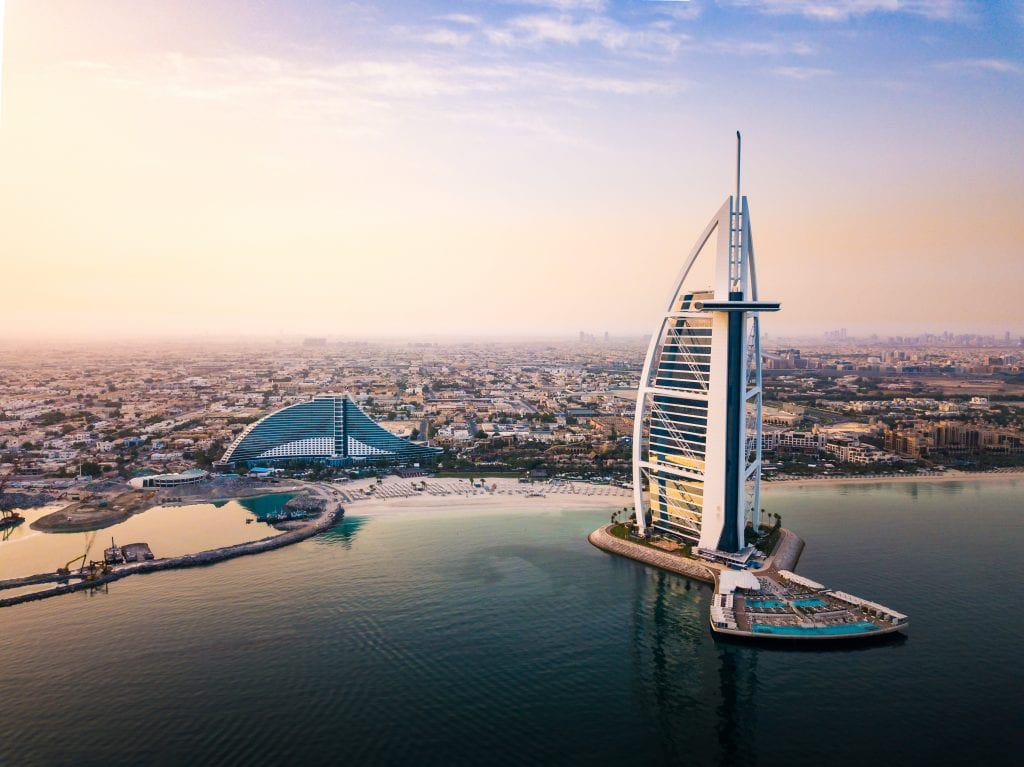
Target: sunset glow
{"x":450,"y":168}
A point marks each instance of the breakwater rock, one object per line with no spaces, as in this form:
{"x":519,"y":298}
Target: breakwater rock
{"x":674,"y":563}
{"x":784,"y":556}
{"x":307,"y":502}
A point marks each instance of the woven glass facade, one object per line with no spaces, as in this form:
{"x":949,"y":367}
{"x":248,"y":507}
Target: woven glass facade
{"x":326,"y":427}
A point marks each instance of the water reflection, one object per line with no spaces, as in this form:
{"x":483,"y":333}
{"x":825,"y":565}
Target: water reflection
{"x":698,"y":696}
{"x":8,"y":531}
{"x":737,"y":710}
{"x":924,"y":488}
{"x":262,"y":505}
{"x":343,"y":533}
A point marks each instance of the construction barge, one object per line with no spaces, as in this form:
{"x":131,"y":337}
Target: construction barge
{"x":767,"y":600}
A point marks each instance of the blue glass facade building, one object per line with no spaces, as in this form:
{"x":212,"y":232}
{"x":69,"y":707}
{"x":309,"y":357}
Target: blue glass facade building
{"x":330,"y":428}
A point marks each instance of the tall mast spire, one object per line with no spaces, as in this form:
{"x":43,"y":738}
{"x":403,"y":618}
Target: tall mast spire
{"x":693,"y":441}
{"x":738,"y":142}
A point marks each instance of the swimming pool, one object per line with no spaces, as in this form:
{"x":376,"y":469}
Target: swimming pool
{"x":809,"y":602}
{"x":861,"y":627}
{"x":765,"y":604}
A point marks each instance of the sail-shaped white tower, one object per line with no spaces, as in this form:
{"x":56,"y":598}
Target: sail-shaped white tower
{"x":697,"y":433}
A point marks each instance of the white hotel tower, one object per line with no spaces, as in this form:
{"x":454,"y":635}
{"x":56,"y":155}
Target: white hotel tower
{"x":697,"y":434}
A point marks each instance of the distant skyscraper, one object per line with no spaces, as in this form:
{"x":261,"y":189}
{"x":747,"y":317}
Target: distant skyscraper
{"x":697,"y":433}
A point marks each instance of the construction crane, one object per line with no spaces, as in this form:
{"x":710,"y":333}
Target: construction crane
{"x":8,"y":518}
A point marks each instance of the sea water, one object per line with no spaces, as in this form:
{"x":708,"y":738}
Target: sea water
{"x":505,"y":638}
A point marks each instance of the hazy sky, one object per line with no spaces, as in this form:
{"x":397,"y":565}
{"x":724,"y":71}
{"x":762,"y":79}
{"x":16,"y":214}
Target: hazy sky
{"x":537,"y":167}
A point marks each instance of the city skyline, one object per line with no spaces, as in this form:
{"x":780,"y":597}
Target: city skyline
{"x":344,"y":171}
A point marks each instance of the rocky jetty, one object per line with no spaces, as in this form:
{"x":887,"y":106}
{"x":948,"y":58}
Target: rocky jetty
{"x":674,"y":563}
{"x":18,"y":500}
{"x":306,"y":502}
{"x":308,"y":529}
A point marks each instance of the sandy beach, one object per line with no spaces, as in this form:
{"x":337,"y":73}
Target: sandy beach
{"x":498,"y":495}
{"x":366,"y":497}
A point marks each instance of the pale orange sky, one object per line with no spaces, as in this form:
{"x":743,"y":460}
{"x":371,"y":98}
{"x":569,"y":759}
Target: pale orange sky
{"x":342,"y":171}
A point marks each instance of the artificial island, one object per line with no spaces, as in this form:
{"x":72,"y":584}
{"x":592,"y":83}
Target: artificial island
{"x":697,"y":456}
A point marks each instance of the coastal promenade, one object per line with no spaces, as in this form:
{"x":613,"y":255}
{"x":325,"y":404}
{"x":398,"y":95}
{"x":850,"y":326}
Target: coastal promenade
{"x":295,"y":532}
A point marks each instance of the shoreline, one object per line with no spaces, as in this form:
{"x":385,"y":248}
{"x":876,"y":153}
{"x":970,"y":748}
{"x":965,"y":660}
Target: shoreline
{"x":948,"y":476}
{"x":510,"y":496}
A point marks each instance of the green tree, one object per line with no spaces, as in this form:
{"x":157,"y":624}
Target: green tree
{"x":90,"y":469}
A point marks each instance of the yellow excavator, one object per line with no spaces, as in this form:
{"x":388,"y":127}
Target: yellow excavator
{"x":90,"y":571}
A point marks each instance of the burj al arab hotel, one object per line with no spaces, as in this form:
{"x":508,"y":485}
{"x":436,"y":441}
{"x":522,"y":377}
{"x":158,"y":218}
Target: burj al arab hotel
{"x":697,"y":433}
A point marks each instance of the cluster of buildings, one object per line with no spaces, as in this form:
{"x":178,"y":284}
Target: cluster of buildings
{"x":129,"y":410}
{"x":927,"y":439}
{"x":927,"y":405}
{"x":556,"y":406}
{"x":896,"y":356}
{"x":845,"y":447}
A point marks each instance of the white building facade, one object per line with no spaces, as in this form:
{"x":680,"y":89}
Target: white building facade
{"x":697,"y":429}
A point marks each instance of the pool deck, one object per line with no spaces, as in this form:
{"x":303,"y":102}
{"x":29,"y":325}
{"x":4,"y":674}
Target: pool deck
{"x":784,"y":607}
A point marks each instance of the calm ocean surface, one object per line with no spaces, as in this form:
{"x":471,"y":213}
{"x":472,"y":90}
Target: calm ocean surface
{"x":450,"y":638}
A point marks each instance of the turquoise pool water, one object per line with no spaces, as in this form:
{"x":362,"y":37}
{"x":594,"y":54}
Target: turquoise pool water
{"x":765,"y":604}
{"x":810,"y":602}
{"x":862,"y":627}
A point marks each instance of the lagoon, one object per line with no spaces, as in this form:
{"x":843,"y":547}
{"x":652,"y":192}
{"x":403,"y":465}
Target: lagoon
{"x":170,"y":530}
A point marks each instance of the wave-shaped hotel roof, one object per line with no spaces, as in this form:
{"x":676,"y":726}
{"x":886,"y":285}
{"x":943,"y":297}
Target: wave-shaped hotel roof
{"x":329,"y":426}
